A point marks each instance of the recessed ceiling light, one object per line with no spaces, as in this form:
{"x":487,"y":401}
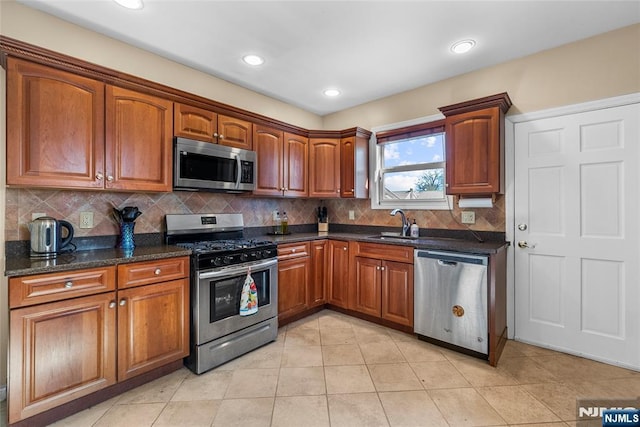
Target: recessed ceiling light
{"x":463,"y":46}
{"x":331,"y":92}
{"x":253,"y":59}
{"x":130,"y":4}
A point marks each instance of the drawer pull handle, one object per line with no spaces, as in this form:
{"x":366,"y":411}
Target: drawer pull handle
{"x":68,"y":284}
{"x":123,"y":302}
{"x":293,"y":250}
{"x":112,"y":304}
{"x":344,"y":249}
{"x":157,"y":272}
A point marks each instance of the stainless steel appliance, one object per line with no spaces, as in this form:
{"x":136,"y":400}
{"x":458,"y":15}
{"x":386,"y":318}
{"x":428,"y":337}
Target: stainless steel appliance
{"x":220,"y":261}
{"x":203,"y":165}
{"x":450,"y":299}
{"x":46,"y":236}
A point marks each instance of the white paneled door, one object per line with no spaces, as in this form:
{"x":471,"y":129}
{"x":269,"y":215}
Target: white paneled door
{"x":577,"y":257}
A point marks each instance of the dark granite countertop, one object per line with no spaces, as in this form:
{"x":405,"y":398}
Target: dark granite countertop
{"x":21,"y":265}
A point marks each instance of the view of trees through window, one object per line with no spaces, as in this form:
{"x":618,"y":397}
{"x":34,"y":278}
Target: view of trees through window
{"x":413,"y":168}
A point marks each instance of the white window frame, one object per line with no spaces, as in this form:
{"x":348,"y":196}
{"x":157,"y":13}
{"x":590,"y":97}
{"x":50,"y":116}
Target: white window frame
{"x":375,"y":163}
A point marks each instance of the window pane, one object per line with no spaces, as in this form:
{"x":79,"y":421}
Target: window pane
{"x":423,"y":149}
{"x":425,"y":185}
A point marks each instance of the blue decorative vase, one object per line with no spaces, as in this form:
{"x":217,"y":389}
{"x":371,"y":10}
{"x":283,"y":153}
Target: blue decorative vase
{"x":126,"y":235}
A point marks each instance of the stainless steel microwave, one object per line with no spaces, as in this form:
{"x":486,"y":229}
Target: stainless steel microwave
{"x":203,"y":165}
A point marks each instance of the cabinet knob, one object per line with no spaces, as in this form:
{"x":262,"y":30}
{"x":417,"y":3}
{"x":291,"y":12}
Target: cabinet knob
{"x":377,"y":267}
{"x":344,"y":249}
{"x":68,"y":284}
{"x":293,"y":250}
{"x":282,"y":188}
{"x":122,"y":302}
{"x":99,"y":176}
{"x":112,"y":304}
{"x":110,"y":178}
{"x":382,"y":268}
{"x":337,"y":190}
{"x":353,"y":190}
{"x":221,"y":136}
{"x":215,"y":134}
{"x":157,"y":272}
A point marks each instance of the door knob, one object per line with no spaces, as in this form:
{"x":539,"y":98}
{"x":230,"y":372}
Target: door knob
{"x":523,"y":244}
{"x":522,"y":227}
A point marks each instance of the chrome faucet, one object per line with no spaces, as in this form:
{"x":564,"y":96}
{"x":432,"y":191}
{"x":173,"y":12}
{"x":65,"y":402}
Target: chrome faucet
{"x":405,"y":222}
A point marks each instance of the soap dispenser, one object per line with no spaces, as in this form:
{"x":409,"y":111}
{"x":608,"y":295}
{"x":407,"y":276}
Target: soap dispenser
{"x":414,"y":230}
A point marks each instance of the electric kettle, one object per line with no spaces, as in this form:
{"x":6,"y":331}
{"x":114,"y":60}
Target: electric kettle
{"x":46,"y":236}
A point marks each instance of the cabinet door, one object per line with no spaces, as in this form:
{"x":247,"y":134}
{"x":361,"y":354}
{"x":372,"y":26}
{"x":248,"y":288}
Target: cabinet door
{"x":268,"y":147}
{"x":234,"y":132}
{"x":60,"y":351}
{"x":55,"y":127}
{"x":317,"y":284}
{"x":354,"y":167}
{"x":338,"y":273}
{"x":324,"y":167}
{"x":293,"y":277}
{"x":473,"y":152}
{"x":195,"y":123}
{"x":139,"y":133}
{"x":367,"y":286}
{"x":153,"y":326}
{"x":295,"y":165}
{"x":397,"y":292}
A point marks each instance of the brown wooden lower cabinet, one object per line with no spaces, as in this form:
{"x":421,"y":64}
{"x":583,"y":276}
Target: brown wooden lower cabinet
{"x":338,"y":273}
{"x":64,"y":345}
{"x":317,"y":283}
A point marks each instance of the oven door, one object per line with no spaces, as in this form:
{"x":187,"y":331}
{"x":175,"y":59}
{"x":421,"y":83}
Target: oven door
{"x":217,"y":300}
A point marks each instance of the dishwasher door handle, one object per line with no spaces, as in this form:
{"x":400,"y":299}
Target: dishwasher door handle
{"x":447,"y":263}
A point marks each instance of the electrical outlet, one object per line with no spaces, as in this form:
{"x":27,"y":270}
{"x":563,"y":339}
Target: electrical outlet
{"x":352,"y":215}
{"x":36,"y":215}
{"x":86,"y":219}
{"x":468,"y":217}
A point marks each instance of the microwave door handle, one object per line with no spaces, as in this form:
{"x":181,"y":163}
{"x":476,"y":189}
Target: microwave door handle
{"x":239,"y":171}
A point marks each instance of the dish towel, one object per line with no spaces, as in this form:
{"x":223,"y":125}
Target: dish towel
{"x":249,"y":296}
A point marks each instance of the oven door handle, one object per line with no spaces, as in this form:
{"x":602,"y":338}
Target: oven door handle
{"x":232,"y":272}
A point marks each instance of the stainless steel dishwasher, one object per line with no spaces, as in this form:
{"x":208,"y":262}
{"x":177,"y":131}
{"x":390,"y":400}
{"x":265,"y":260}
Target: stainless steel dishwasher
{"x":450,"y":298}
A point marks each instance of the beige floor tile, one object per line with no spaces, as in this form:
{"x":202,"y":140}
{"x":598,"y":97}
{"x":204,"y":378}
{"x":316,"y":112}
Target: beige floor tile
{"x":371,"y":334}
{"x":138,"y":414}
{"x":528,"y":349}
{"x":612,"y":389}
{"x":411,"y":408}
{"x":399,"y":336}
{"x":301,"y":381}
{"x":334,"y":321}
{"x":624,"y":386}
{"x":526,"y":370}
{"x":247,"y":383}
{"x":188,"y":414}
{"x":394,"y":377}
{"x":568,"y":367}
{"x":310,"y":322}
{"x":354,"y":410}
{"x":419,"y":351}
{"x":558,"y":424}
{"x":296,"y":411}
{"x":302,"y":337}
{"x":435,"y":375}
{"x":381,"y":352}
{"x":465,"y":407}
{"x":480,"y":374}
{"x":516,"y":406}
{"x":208,"y":386}
{"x":244,"y":412}
{"x":348,"y":379}
{"x":82,"y":419}
{"x":301,"y":357}
{"x":160,"y":390}
{"x":342,"y":355}
{"x":559,"y":398}
{"x":336,"y":336}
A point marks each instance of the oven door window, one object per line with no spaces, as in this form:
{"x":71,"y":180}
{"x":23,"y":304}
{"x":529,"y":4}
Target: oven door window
{"x":208,"y":168}
{"x":225,"y":294}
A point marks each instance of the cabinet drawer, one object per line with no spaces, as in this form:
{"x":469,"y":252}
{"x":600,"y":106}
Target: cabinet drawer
{"x":144,"y":273}
{"x":41,"y":288}
{"x":384,"y":251}
{"x":293,"y":250}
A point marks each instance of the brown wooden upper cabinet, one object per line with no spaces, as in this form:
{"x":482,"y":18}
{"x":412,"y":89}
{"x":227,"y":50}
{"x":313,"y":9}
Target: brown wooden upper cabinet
{"x":324,"y":167}
{"x":475,"y":145}
{"x":204,"y":125}
{"x":68,"y":131}
{"x":282,"y":162}
{"x":354,"y":165}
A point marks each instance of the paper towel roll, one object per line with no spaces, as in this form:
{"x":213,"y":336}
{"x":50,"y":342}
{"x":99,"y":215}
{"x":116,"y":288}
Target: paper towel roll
{"x":475,"y":202}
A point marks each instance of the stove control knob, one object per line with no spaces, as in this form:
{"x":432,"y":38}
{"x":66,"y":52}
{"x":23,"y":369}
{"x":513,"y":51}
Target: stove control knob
{"x":258,"y":255}
{"x":267,"y":253}
{"x":244,"y":257}
{"x":228,"y":259}
{"x":217,"y":261}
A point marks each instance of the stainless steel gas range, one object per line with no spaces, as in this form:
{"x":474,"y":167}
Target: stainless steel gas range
{"x":220,"y":261}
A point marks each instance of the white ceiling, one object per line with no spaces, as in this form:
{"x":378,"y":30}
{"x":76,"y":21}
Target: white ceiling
{"x":366,"y":49}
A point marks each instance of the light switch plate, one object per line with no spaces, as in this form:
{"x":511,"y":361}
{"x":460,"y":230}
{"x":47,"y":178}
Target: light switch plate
{"x":468,"y":217}
{"x":352,"y":215}
{"x":86,"y":219}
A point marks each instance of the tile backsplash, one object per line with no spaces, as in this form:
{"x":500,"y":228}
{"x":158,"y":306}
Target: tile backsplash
{"x":67,"y":204}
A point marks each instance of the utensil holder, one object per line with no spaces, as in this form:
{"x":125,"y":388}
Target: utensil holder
{"x":126,"y":235}
{"x":323,"y":226}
